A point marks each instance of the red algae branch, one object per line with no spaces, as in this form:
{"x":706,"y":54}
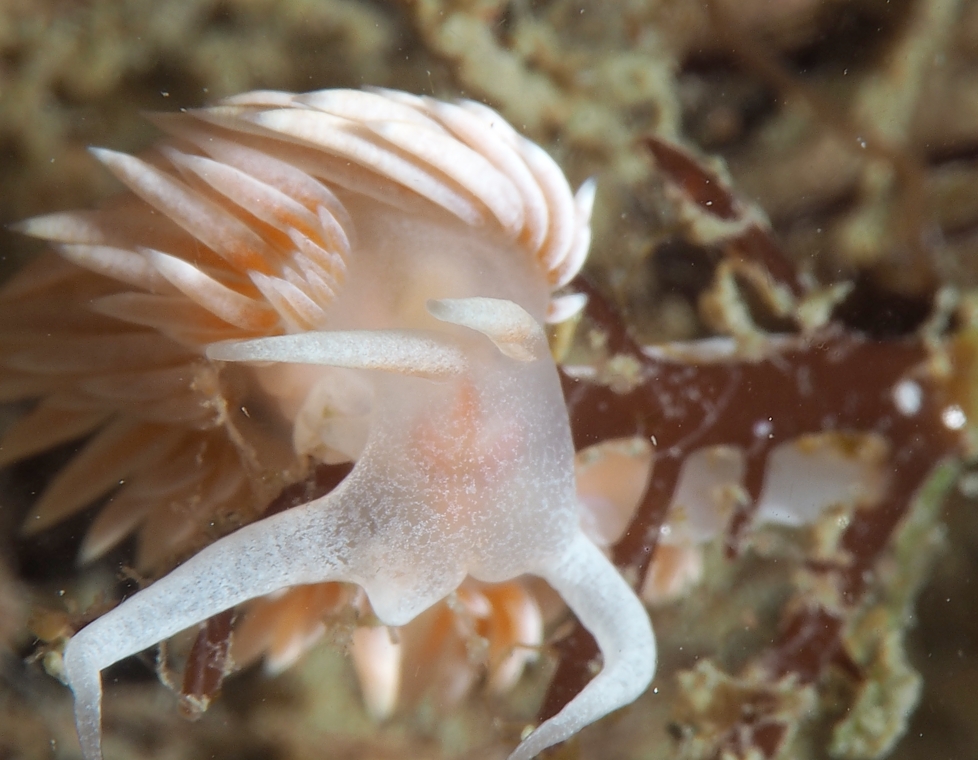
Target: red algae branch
{"x":758,"y":393}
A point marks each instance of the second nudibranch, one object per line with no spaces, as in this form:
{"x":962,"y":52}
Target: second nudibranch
{"x":392,"y":260}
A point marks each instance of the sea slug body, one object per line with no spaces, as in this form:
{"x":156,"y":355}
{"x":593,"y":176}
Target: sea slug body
{"x":373,"y":270}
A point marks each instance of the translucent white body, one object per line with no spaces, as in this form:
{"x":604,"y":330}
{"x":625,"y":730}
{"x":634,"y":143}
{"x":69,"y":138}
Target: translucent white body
{"x":464,"y":461}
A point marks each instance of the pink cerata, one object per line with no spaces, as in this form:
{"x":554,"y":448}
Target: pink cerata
{"x":381,"y":266}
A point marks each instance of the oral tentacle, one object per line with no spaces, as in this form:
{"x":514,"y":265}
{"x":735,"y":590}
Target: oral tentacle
{"x":407,"y":352}
{"x":508,"y":325}
{"x":300,"y":546}
{"x":606,"y":605}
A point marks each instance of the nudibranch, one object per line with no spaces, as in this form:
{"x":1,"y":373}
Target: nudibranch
{"x":373,"y":271}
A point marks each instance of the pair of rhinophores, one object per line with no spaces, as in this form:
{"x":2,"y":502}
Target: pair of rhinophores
{"x":375,"y":269}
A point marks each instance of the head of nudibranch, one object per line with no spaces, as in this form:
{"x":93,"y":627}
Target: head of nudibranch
{"x":373,"y":269}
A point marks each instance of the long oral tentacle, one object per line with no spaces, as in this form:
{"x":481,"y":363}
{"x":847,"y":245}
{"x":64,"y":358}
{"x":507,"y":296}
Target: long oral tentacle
{"x":407,"y":352}
{"x":302,"y":545}
{"x":606,"y":605}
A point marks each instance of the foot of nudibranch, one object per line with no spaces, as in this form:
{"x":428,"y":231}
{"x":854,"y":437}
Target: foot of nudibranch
{"x":608,"y":607}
